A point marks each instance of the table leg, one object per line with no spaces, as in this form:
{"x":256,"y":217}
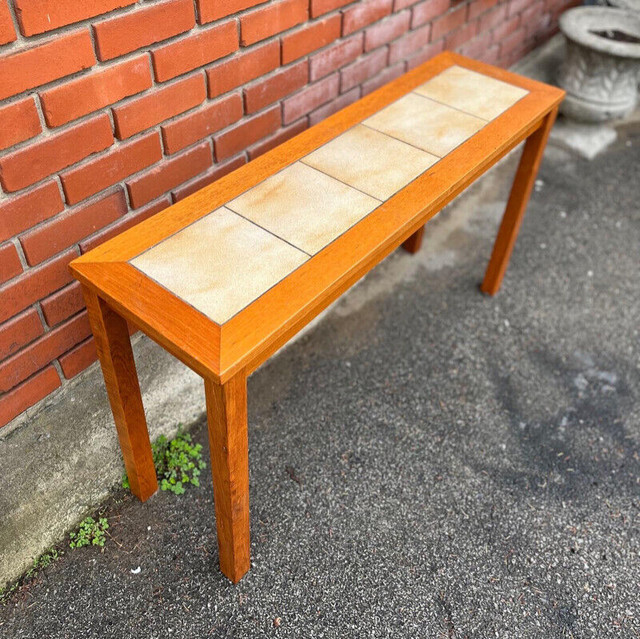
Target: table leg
{"x":517,"y":205}
{"x":413,"y":243}
{"x":111,"y":335}
{"x":228,"y":443}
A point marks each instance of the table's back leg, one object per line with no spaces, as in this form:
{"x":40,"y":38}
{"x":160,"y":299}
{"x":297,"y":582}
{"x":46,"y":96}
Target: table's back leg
{"x":517,"y":205}
{"x":228,"y":443}
{"x":118,"y":367}
{"x":413,"y":243}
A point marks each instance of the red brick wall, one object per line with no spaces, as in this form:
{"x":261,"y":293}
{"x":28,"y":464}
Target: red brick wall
{"x":110,"y":110}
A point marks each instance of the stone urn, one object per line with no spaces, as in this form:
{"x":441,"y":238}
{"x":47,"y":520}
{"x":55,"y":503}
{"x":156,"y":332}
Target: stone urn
{"x":602,"y":63}
{"x":630,"y":5}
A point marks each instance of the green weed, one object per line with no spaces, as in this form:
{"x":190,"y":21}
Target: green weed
{"x":178,"y":463}
{"x":90,"y":532}
{"x":43,"y":561}
{"x":7,"y":591}
{"x":40,"y":563}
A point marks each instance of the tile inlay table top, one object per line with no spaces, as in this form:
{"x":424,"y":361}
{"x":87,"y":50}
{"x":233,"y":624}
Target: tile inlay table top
{"x":313,"y":201}
{"x":472,"y":92}
{"x":370,"y":161}
{"x":304,"y":206}
{"x":225,"y":277}
{"x":207,"y":264}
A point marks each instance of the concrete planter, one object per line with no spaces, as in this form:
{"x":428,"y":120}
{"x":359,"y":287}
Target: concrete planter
{"x":602,"y":63}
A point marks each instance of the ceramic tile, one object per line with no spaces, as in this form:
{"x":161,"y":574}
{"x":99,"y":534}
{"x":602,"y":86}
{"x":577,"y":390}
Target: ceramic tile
{"x":370,"y":161}
{"x":304,"y":206}
{"x":220,"y":263}
{"x":429,"y":125}
{"x":472,"y":92}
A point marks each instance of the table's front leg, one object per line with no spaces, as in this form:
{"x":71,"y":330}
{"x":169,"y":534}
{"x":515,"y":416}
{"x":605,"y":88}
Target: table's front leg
{"x":118,"y":367}
{"x":517,"y":204}
{"x":228,"y":443}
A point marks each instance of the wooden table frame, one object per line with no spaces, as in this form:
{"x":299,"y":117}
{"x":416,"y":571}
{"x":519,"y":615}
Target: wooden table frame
{"x":224,"y":355}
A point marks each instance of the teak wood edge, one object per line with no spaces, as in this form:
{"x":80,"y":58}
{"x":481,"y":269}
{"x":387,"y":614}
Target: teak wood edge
{"x":250,"y":337}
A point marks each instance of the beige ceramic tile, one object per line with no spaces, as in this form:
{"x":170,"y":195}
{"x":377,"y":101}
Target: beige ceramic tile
{"x":220,"y":263}
{"x":472,"y":92}
{"x":429,"y":125}
{"x":304,"y":206}
{"x":371,"y":161}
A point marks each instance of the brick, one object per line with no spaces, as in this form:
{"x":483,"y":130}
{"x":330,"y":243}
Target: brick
{"x":449,"y":22}
{"x":336,"y":105}
{"x":18,"y":122}
{"x":315,"y":36}
{"x":62,"y":304}
{"x":339,"y":55}
{"x":143,"y":27}
{"x":276,"y":87}
{"x":158,"y":106}
{"x":277,"y":17}
{"x":169,"y":174}
{"x":91,"y":92}
{"x":363,"y":69}
{"x":35,"y":284}
{"x":246,"y":133}
{"x":387,"y":30}
{"x":7,"y":30}
{"x":123,"y":224}
{"x":28,"y":394}
{"x":427,"y":11}
{"x":493,"y":18}
{"x":399,"y":5}
{"x":364,"y":13}
{"x":534,"y":9}
{"x":310,"y":98}
{"x":180,"y":134}
{"x":462,"y":35}
{"x":10,"y":265}
{"x":38,"y":16}
{"x":505,"y":28}
{"x":390,"y":73}
{"x":66,"y":229}
{"x":35,"y":162}
{"x":19,"y":331}
{"x":490,"y":55}
{"x":210,"y":10}
{"x":532,"y":17}
{"x":517,"y":6}
{"x":424,"y":54}
{"x":243,"y":68}
{"x":278,"y":138}
{"x":409,"y":43}
{"x":51,"y":60}
{"x":105,"y":171}
{"x":195,"y":51}
{"x":43,"y":351}
{"x":477,"y":46}
{"x":218,"y":171}
{"x":512,"y":42}
{"x":24,"y":211}
{"x":478,"y":7}
{"x":78,"y":358}
{"x":320,"y":7}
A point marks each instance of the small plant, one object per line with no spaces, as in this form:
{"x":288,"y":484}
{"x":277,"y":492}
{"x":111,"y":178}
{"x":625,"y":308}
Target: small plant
{"x":40,"y":563}
{"x":43,"y":561}
{"x":7,"y":591}
{"x":90,"y":532}
{"x":178,"y":462}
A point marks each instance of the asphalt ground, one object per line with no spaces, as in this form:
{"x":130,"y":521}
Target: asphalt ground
{"x":427,"y":461}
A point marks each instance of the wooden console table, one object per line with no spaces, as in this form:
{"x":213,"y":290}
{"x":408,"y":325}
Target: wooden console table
{"x":225,"y":277}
